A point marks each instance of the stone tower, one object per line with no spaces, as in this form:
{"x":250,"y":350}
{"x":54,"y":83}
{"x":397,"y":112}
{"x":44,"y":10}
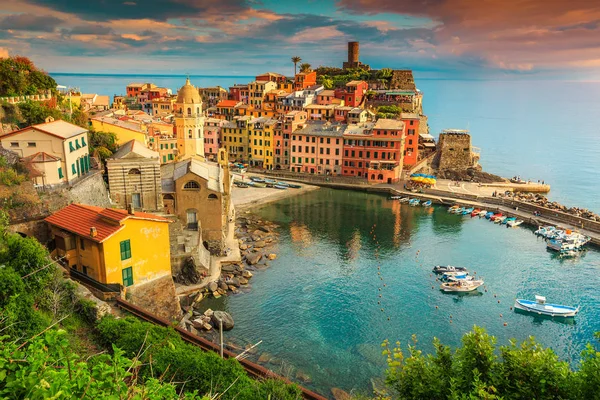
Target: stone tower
{"x":189,"y":122}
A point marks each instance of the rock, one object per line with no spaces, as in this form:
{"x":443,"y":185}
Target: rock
{"x":260,"y":244}
{"x":223,"y":285}
{"x":243,"y":281}
{"x":275,"y":361}
{"x":250,"y":268}
{"x":243,"y":246}
{"x":235,"y":282}
{"x":339,"y":394}
{"x":198,"y":323}
{"x":207,"y":327}
{"x":250,"y":349}
{"x":246,"y":274}
{"x":264,"y":358}
{"x":302,"y":377}
{"x":225,"y":317}
{"x":272,"y":256}
{"x":253,"y":258}
{"x":213,"y":286}
{"x":258,"y":232}
{"x":209,"y":313}
{"x":228,"y":268}
{"x":264,"y":228}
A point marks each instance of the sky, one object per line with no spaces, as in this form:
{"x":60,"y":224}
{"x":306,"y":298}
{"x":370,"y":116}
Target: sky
{"x":473,"y":39}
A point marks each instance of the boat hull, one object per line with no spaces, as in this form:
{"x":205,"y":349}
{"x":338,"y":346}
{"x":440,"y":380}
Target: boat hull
{"x":461,"y":286}
{"x":552,"y":310}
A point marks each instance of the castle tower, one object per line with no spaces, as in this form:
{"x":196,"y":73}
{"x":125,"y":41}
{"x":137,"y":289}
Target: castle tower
{"x":353,"y":53}
{"x":189,"y":122}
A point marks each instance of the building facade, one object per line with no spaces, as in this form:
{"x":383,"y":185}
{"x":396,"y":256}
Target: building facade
{"x":317,"y":148}
{"x":189,"y":122}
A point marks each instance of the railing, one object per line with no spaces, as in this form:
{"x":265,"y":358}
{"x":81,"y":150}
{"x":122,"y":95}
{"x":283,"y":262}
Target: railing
{"x":107,"y":288}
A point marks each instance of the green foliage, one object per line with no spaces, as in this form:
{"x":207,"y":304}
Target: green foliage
{"x":35,"y":112}
{"x":26,"y":256}
{"x":305,"y":67}
{"x":105,"y":143}
{"x":19,"y":77}
{"x":166,"y":354}
{"x":10,"y":177}
{"x":48,"y":368}
{"x":475,"y":371}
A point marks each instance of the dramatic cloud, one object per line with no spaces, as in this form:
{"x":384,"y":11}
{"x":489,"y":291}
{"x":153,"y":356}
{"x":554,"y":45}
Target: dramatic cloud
{"x":28,"y":22}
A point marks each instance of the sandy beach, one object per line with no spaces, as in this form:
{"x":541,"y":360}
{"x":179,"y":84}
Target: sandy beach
{"x":245,"y":198}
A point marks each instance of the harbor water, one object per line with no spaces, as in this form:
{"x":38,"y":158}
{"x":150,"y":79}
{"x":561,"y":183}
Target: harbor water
{"x":317,"y":308}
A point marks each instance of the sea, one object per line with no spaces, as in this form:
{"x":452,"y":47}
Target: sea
{"x":535,"y":129}
{"x":354,"y":269}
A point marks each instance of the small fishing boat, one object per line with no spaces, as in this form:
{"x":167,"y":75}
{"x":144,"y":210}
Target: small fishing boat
{"x":467,"y":211}
{"x":280,"y":187}
{"x":514,"y":223}
{"x":482,"y":213}
{"x":500,"y":219}
{"x":257,"y":179}
{"x":240,"y":184}
{"x":495,"y":216}
{"x":283,"y":184}
{"x":461,"y":285}
{"x":440,"y":269}
{"x":489,"y":215}
{"x":456,"y":275}
{"x":539,"y":306}
{"x":271,"y":181}
{"x":544,"y":230}
{"x":404,"y":200}
{"x":507,"y":220}
{"x":395,"y":197}
{"x":475,"y":212}
{"x":427,"y":203}
{"x":453,"y":208}
{"x":414,"y":202}
{"x":458,"y":210}
{"x":259,"y":184}
{"x":294,"y":186}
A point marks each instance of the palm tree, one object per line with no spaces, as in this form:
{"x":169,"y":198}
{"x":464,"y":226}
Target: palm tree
{"x":305,"y":67}
{"x":296,"y":60}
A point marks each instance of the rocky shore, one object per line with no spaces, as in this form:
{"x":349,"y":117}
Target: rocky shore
{"x":542,"y":201}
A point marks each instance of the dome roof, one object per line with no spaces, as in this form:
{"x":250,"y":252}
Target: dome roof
{"x":188,"y":94}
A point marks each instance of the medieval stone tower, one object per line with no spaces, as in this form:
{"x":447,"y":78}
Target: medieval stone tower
{"x":189,"y":122}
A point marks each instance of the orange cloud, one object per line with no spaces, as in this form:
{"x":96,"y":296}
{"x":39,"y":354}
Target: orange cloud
{"x":3,"y":52}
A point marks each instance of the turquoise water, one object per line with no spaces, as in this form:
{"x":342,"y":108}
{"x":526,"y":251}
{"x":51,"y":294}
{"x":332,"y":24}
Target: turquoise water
{"x":316,"y":308}
{"x":547,"y":130}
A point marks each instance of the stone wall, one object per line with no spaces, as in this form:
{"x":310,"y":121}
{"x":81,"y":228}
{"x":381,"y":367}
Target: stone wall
{"x":156,"y":296}
{"x":90,"y":190}
{"x":455,"y":151}
{"x":146,"y":182}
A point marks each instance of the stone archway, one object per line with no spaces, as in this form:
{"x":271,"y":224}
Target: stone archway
{"x":169,"y":203}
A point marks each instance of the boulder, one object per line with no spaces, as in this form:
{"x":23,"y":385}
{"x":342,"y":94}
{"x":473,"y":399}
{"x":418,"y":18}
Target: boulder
{"x":209,"y":313}
{"x":339,"y":394}
{"x":213,"y":286}
{"x":255,"y":238}
{"x":272,"y":256}
{"x":250,"y":349}
{"x":260,"y":244}
{"x":253,"y":258}
{"x":302,"y":377}
{"x":258,"y":232}
{"x":242,"y":281}
{"x":264,"y":228}
{"x":243,"y":246}
{"x":207,"y":327}
{"x":275,"y":361}
{"x":235,"y":282}
{"x":228,"y":268}
{"x":225,"y":317}
{"x":246,"y":274}
{"x":264,"y":358}
{"x":223,"y":285}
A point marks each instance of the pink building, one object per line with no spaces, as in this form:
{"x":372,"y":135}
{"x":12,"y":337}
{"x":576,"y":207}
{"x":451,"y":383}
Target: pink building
{"x":212,"y":132}
{"x":282,"y":136}
{"x":317,"y":148}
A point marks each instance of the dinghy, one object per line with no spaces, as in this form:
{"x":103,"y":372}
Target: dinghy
{"x":539,"y":306}
{"x":440,"y":269}
{"x":427,"y":203}
{"x":514,"y":223}
{"x":461,"y":286}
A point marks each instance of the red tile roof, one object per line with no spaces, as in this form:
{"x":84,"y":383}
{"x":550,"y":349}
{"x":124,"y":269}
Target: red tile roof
{"x":227,"y":103}
{"x":80,"y":218}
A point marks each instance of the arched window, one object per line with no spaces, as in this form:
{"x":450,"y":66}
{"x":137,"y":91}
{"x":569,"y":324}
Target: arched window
{"x":168,"y":197}
{"x":134,"y":171}
{"x":190,"y":134}
{"x":189,"y":111}
{"x":192,"y":185}
{"x":380,"y":177}
{"x":197,"y":110}
{"x":213,"y":196}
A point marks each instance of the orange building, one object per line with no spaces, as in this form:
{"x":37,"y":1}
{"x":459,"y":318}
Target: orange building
{"x":411,"y":134}
{"x":305,"y":79}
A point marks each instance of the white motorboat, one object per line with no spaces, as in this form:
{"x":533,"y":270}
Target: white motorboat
{"x":514,"y":223}
{"x":501,"y":219}
{"x":461,"y":285}
{"x":482,"y":213}
{"x":404,"y":200}
{"x":539,"y":306}
{"x":545,"y":230}
{"x":440,"y":269}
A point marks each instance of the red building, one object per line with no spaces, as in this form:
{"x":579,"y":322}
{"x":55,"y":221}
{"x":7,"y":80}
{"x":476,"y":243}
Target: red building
{"x":353,"y":94}
{"x":271,"y":76}
{"x":304,"y":80}
{"x":374,"y":151}
{"x":282,"y":136}
{"x":411,"y":135}
{"x":235,"y":92}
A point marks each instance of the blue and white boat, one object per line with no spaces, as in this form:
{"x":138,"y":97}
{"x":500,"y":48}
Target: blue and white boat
{"x":539,"y":306}
{"x":489,"y":215}
{"x":467,"y":211}
{"x":414,"y":202}
{"x":257,"y":179}
{"x":507,"y":220}
{"x":545,"y":230}
{"x":280,"y":187}
{"x":440,"y":269}
{"x":427,"y":203}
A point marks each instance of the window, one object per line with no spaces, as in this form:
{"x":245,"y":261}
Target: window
{"x":125,"y":250}
{"x":134,"y":171}
{"x":31,"y":144}
{"x":14,"y":144}
{"x":170,"y":156}
{"x":212,"y":196}
{"x":77,"y":143}
{"x":293,"y":159}
{"x":71,"y":148}
{"x":127,"y":277}
{"x":73,"y":169}
{"x":164,"y":159}
{"x":193,"y":185}
{"x":60,"y":173}
{"x":82,"y":243}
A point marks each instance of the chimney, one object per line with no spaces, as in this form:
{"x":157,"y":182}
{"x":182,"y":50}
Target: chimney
{"x":130,"y":209}
{"x":93,"y":232}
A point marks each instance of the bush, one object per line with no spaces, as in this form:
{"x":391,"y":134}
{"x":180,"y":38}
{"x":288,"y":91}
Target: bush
{"x":10,"y":177}
{"x":166,"y":354}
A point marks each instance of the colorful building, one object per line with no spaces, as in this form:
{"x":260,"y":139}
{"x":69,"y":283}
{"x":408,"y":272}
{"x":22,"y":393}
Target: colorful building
{"x":354,"y":93}
{"x":213,"y":95}
{"x":227,"y":109}
{"x":111,"y":246}
{"x":303,"y":80}
{"x":189,"y":122}
{"x":374,"y":151}
{"x":412,"y":123}
{"x":163,"y":106}
{"x":288,"y":124}
{"x":235,"y":139}
{"x":58,"y":150}
{"x":261,"y":133}
{"x":125,"y":130}
{"x":257,"y":91}
{"x":212,"y":135}
{"x":317,"y":148}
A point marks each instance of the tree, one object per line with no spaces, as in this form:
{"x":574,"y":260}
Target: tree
{"x":34,"y":112}
{"x":105,"y":143}
{"x":296,"y":60}
{"x":19,"y":76}
{"x":305,"y":67}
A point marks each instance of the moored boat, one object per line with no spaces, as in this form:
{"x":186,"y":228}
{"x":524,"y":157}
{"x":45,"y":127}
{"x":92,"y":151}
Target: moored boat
{"x":489,"y":215}
{"x":507,"y":220}
{"x":280,"y":187}
{"x":453,"y":208}
{"x":475,"y":212}
{"x":467,"y":211}
{"x":282,"y":184}
{"x":539,"y":306}
{"x":545,"y":230}
{"x":514,"y":223}
{"x":294,"y":186}
{"x":240,"y":184}
{"x":495,"y":216}
{"x":427,"y":203}
{"x":440,"y":269}
{"x":461,"y":285}
{"x":257,"y":179}
{"x":414,"y":202}
{"x":500,"y":219}
{"x":405,"y":200}
{"x":482,"y":213}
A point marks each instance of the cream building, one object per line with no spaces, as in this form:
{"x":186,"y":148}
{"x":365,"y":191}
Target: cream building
{"x":52,"y":145}
{"x":189,"y":122}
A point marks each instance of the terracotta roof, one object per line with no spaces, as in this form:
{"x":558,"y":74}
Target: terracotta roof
{"x":58,"y":128}
{"x":227,"y":103}
{"x":80,"y":218}
{"x":40,"y":157}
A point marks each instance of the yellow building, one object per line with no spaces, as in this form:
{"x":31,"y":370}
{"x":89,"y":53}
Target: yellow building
{"x":189,"y":122}
{"x":58,"y":150}
{"x":260,"y":139}
{"x":125,"y":130}
{"x":112,"y":246}
{"x":257,"y":91}
{"x":235,"y":139}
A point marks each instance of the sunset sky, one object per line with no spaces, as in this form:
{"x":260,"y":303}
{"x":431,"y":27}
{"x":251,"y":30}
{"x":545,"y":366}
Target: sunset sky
{"x":437,"y":38}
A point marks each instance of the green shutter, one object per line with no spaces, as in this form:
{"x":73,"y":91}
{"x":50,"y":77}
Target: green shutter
{"x":77,"y":143}
{"x":60,"y":174}
{"x":125,"y":250}
{"x":73,"y":169}
{"x":164,"y":159}
{"x":83,"y":141}
{"x":127,"y":276}
{"x":71,"y":148}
